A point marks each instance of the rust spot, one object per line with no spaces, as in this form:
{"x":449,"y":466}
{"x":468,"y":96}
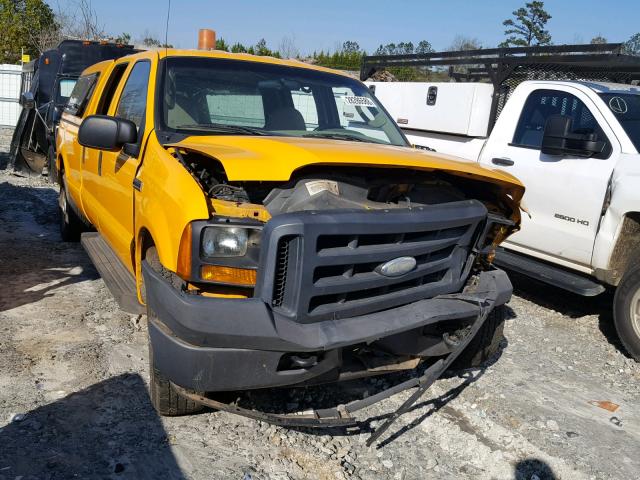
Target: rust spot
{"x":605,"y":404}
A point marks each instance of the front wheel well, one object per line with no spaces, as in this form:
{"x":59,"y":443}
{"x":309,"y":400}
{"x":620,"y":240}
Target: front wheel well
{"x":626,"y":248}
{"x":145,"y":242}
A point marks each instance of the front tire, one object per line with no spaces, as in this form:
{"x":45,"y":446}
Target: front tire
{"x":164,"y":397}
{"x":626,"y":311}
{"x":485,"y":344}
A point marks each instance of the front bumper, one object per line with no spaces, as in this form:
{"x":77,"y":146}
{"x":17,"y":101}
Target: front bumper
{"x":211,"y":344}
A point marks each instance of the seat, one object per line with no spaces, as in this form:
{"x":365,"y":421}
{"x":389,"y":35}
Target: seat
{"x":285,"y":118}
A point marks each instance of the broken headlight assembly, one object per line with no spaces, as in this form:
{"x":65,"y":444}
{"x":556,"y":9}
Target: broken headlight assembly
{"x":496,"y":229}
{"x":223,"y":251}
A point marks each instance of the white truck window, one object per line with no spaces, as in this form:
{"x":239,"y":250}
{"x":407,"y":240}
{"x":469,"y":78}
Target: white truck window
{"x":541,"y":104}
{"x":304,"y":102}
{"x":235,"y":106}
{"x":626,"y":108}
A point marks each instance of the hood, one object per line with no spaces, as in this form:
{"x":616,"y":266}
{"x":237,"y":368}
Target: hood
{"x":253,"y":158}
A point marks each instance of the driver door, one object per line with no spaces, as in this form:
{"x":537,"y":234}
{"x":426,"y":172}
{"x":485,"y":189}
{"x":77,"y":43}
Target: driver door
{"x":118,"y":169}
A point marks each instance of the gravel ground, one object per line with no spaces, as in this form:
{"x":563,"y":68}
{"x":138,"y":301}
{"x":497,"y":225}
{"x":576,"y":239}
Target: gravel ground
{"x":74,"y":401}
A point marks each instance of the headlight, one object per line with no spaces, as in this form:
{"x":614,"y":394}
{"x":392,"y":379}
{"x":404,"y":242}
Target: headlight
{"x":222,"y":241}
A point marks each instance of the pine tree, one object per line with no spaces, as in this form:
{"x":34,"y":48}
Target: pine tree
{"x":528,"y":27}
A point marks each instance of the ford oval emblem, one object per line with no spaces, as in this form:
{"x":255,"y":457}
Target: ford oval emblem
{"x":397,"y":267}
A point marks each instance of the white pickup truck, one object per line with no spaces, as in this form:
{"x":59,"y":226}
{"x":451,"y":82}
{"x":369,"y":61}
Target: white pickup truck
{"x":576,"y":147}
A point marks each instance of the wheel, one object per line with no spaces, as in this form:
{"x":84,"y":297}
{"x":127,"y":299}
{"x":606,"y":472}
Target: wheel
{"x":71,"y":226}
{"x":626,"y":311}
{"x":486,"y":342}
{"x":164,"y":397}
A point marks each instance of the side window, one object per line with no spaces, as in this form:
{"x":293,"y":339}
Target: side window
{"x":542,"y":104}
{"x":133,"y":100}
{"x":110,"y":88}
{"x":81,"y":94}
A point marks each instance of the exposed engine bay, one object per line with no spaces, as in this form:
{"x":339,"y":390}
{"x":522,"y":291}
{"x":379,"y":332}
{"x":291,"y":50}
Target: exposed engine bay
{"x":330,"y":188}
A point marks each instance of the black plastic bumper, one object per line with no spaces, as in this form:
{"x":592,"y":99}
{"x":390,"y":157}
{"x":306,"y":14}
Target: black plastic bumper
{"x":210,"y":344}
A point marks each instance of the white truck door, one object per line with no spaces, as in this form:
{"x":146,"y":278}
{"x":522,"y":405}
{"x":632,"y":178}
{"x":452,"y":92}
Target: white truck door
{"x":564,"y":195}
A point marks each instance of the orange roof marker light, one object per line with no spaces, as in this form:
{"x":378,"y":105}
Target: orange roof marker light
{"x":206,"y":39}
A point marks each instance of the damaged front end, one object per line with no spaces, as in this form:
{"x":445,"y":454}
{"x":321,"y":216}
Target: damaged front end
{"x":337,"y":272}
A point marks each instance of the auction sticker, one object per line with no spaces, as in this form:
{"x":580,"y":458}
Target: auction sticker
{"x":359,"y":101}
{"x":317,"y":186}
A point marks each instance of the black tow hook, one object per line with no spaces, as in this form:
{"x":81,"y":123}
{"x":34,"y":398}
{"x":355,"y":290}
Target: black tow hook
{"x":303,"y":362}
{"x":457,"y":337}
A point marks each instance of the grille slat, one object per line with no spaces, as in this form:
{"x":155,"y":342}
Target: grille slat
{"x":327,"y":303}
{"x":382,"y":253}
{"x":364,"y":281}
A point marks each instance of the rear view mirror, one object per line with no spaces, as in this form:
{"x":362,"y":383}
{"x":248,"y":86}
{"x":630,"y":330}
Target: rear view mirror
{"x":27,"y":100}
{"x":107,"y":133}
{"x":559,"y":139}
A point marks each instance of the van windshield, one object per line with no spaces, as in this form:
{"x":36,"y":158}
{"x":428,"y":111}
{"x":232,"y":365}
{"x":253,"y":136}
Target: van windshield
{"x":205,"y":96}
{"x":65,"y":87}
{"x":626,"y":108}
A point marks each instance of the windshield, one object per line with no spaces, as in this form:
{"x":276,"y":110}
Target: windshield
{"x":65,"y":87}
{"x":626,"y":108}
{"x":219,"y":96}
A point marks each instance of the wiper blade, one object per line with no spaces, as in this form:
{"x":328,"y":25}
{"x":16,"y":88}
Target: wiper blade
{"x":335,"y":136}
{"x":223,"y":128}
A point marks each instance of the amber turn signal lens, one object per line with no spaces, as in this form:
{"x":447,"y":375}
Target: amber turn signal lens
{"x":184,"y":254}
{"x":229,"y":275}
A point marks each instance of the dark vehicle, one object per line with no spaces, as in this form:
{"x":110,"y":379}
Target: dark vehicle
{"x":46,"y":85}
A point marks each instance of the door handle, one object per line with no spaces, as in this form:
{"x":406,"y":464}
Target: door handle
{"x":504,"y":162}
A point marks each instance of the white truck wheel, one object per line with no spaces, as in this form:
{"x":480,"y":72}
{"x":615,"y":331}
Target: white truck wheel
{"x":626,"y":311}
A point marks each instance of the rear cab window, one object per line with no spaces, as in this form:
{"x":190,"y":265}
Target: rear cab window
{"x":110,"y":88}
{"x":81,"y":94}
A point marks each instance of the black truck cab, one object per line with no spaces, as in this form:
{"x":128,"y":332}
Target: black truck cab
{"x":46,"y":85}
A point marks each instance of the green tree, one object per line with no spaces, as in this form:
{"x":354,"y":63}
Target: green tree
{"x":347,"y":56}
{"x":23,"y":24}
{"x":152,"y":42}
{"x":402,"y":48}
{"x":222,"y":45}
{"x":598,"y":39}
{"x":350,"y":47}
{"x":528,"y":27}
{"x":238,"y":48}
{"x":632,"y":46}
{"x":424,"y":47}
{"x":124,"y":38}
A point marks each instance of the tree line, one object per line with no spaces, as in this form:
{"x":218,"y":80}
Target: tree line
{"x":34,"y":26}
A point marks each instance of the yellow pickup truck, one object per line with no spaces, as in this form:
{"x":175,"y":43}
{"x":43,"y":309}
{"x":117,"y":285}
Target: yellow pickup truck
{"x":278,"y":227}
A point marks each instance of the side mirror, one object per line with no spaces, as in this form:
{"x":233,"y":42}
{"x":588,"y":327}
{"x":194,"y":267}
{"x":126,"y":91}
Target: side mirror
{"x":559,"y":139}
{"x":27,"y":100}
{"x":107,"y":133}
